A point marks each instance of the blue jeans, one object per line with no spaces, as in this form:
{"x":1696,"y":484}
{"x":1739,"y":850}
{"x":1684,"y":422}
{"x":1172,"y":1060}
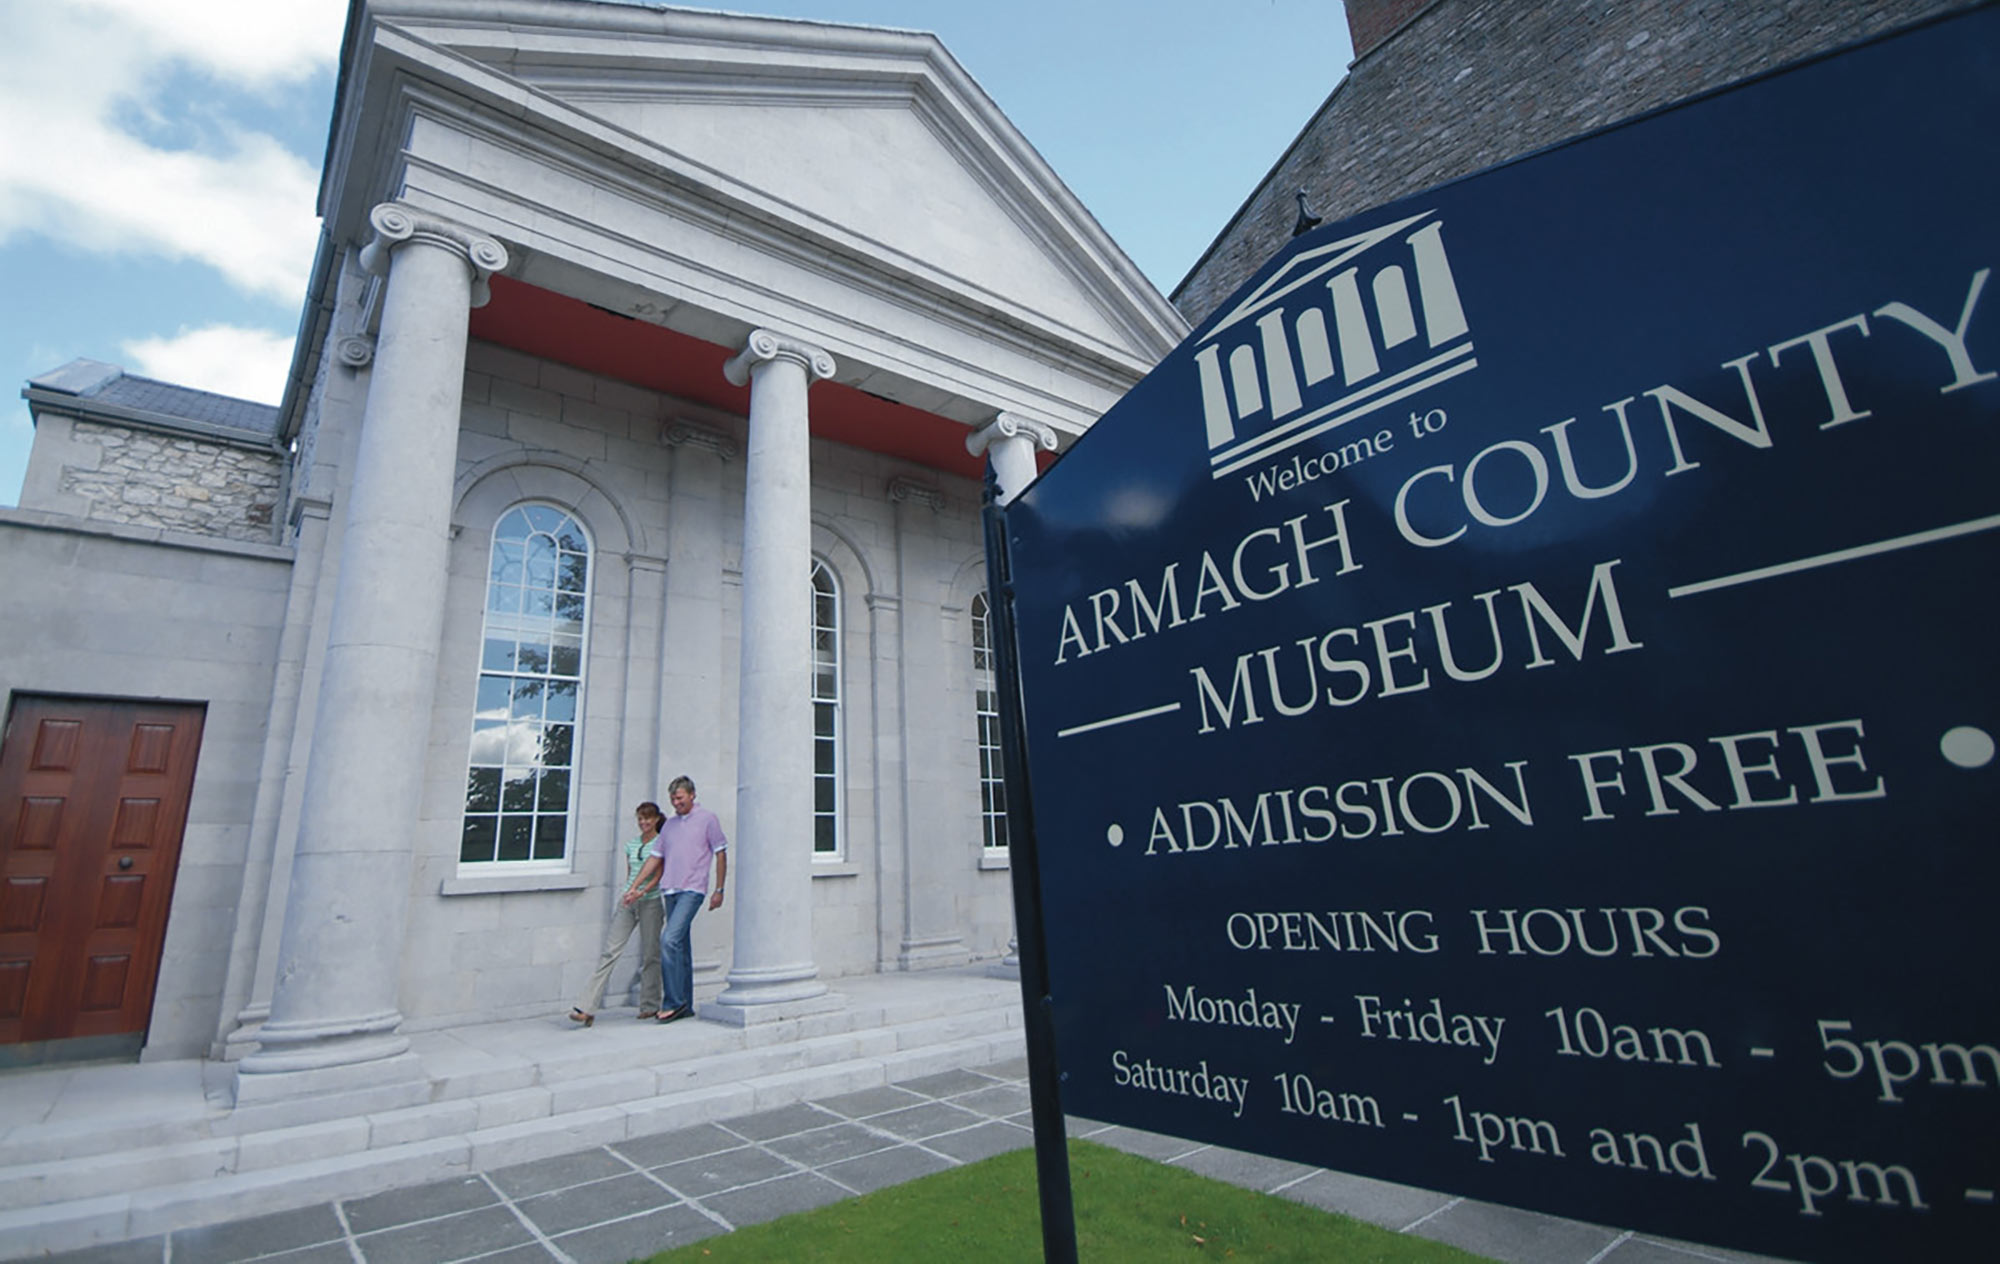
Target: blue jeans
{"x":676,"y":952}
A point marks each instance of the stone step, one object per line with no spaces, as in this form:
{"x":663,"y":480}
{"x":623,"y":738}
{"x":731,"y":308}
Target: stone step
{"x":69,"y":1187}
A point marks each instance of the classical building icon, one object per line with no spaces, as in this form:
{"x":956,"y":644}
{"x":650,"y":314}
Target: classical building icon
{"x":1343,"y":331}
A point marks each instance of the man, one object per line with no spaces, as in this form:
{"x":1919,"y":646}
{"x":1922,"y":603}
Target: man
{"x":689,"y":839}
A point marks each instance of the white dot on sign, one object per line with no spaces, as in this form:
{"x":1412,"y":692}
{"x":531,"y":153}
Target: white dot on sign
{"x":1967,"y":747}
{"x":1116,"y":834}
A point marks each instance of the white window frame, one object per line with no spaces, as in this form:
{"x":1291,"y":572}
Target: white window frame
{"x":986,"y":715}
{"x":827,"y":672}
{"x":503,"y":626}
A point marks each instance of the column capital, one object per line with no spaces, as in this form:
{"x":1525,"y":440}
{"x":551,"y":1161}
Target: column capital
{"x":763,"y":346}
{"x":1011,"y":426}
{"x":676,"y":432}
{"x":396,"y":225}
{"x":902,"y":488}
{"x":356,"y":351}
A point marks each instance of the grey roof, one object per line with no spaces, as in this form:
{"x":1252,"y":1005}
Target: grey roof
{"x":109,"y":391}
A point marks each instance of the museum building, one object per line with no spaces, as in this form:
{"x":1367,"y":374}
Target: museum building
{"x":646,"y":381}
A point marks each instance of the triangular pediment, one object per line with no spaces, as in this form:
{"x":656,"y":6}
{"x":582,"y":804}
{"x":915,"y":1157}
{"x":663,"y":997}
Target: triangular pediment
{"x":872,"y":144}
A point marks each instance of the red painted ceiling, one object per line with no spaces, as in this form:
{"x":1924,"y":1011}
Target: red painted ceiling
{"x":539,"y":322}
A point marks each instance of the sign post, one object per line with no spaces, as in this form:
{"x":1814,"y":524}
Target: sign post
{"x":1511,"y":702}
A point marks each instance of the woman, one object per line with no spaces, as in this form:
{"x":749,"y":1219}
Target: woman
{"x":632,"y":911}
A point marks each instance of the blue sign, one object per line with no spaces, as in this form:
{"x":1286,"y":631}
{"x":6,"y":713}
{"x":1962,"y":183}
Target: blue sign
{"x":1511,"y":701}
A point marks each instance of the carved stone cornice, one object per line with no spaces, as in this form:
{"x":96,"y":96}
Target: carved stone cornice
{"x":1011,"y":426}
{"x":677,"y":433}
{"x":397,"y":225}
{"x":903,"y":488}
{"x":763,"y":346}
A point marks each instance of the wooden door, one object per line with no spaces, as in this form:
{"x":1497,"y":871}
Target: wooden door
{"x":93,"y":799}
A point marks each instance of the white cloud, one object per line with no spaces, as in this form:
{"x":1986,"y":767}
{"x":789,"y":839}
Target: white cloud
{"x":247,"y":41}
{"x":229,"y":360}
{"x":74,"y":73}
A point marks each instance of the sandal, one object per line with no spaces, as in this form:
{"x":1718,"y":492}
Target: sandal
{"x":578,"y":1016}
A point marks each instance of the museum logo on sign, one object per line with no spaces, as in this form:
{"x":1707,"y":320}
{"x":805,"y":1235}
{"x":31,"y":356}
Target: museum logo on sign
{"x":1340,"y":332}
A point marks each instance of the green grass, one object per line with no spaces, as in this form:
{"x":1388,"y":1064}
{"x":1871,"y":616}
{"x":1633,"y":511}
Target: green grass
{"x":1127,"y":1208}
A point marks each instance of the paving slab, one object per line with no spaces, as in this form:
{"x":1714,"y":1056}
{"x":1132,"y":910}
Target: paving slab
{"x":259,"y":1235}
{"x":637,"y":1237}
{"x":755,"y":1204}
{"x":581,"y":1206}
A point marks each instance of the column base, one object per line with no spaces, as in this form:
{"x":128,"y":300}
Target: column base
{"x":736,"y":1014}
{"x":935,"y":953}
{"x":283,"y":1098}
{"x":765,"y":995}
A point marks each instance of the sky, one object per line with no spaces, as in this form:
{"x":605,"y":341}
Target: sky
{"x":159,"y":159}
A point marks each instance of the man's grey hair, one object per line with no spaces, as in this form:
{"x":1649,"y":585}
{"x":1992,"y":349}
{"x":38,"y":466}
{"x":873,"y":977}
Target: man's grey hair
{"x":680,"y":783}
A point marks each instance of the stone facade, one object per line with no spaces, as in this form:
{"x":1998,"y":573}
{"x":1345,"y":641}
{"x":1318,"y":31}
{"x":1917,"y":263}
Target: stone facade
{"x":178,"y":484}
{"x":726,"y":364}
{"x":1466,"y":84}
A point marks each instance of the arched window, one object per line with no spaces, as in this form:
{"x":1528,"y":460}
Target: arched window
{"x":986,"y":705}
{"x":826,"y":713}
{"x":520,"y":787}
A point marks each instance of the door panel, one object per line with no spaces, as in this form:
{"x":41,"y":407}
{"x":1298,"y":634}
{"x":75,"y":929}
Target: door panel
{"x":93,"y":801}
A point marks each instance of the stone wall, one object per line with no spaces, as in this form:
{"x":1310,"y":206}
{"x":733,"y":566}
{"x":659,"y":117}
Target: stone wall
{"x":107,"y":610}
{"x":1471,"y":83}
{"x":150,"y":479}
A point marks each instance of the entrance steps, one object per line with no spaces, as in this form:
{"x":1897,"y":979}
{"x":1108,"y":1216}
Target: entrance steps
{"x":103,"y":1153}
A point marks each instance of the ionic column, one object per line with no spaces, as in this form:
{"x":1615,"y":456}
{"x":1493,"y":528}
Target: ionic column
{"x":1009,"y":443}
{"x":334,"y":1000}
{"x":770,"y":871}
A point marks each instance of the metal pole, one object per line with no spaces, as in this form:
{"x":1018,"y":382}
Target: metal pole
{"x":1044,"y":1075}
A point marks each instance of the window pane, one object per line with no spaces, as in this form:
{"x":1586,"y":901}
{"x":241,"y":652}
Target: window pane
{"x":823,"y":840}
{"x":492,"y":704}
{"x":823,"y":756}
{"x":513,"y":527}
{"x":557,"y":740}
{"x":527,"y":703}
{"x":503,"y":598}
{"x":477,"y":842}
{"x":517,"y":791}
{"x":489,"y":744}
{"x":573,"y":575}
{"x":516,"y":841}
{"x":566,"y":658}
{"x":554,"y":793}
{"x":549,"y":832}
{"x":561,"y":700}
{"x":482,"y":790}
{"x":498,"y":655}
{"x":823,"y":794}
{"x":823,"y":719}
{"x":543,"y":517}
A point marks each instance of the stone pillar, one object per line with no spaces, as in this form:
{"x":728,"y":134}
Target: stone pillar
{"x":933,"y":855}
{"x":1008,"y":443}
{"x":772,"y":974}
{"x":693,"y":707}
{"x":334,"y":1001}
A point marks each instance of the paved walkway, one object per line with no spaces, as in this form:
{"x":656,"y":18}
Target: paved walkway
{"x":631,"y":1198}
